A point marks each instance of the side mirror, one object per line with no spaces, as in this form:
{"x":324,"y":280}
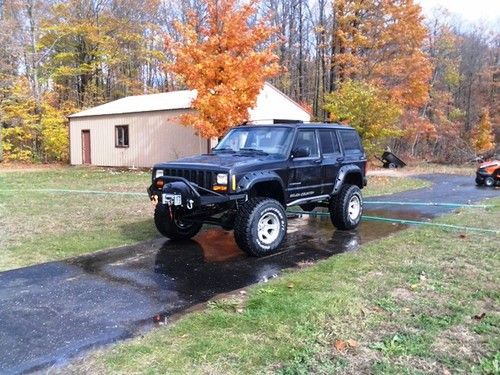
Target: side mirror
{"x":301,"y":152}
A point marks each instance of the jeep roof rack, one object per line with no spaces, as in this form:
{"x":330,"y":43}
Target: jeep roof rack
{"x":273,"y":121}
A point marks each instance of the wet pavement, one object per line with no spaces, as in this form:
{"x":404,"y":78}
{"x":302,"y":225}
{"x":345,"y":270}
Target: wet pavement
{"x":51,"y":312}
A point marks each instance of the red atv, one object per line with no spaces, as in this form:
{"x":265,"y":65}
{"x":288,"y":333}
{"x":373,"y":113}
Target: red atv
{"x":488,"y":173}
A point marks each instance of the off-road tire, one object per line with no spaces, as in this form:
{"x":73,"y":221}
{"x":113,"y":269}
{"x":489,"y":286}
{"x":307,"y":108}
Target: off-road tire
{"x":489,"y":181}
{"x":340,"y":206}
{"x":246,"y":226}
{"x":479,"y":182}
{"x":172,"y":228}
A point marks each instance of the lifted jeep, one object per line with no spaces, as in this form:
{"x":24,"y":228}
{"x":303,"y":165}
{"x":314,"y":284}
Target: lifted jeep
{"x":255,"y":173}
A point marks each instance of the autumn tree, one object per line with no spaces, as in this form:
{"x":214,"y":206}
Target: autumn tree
{"x":381,"y":42}
{"x":226,"y":59}
{"x":98,"y":51}
{"x":482,"y":137}
{"x":366,"y":108}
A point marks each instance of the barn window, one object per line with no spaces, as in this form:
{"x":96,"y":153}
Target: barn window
{"x":121,"y":136}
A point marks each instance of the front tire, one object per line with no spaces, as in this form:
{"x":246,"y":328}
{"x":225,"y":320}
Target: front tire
{"x":346,"y":208}
{"x":260,"y":226}
{"x":174,"y":228}
{"x":489,"y":181}
{"x":479,"y":182}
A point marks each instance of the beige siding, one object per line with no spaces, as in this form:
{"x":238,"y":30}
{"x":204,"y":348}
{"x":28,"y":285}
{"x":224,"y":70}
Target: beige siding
{"x":153,"y":137}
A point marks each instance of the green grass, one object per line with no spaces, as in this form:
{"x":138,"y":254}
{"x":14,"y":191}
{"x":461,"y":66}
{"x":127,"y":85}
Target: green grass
{"x":384,"y":185}
{"x":42,"y":226}
{"x":411,"y":303}
{"x":37,"y":226}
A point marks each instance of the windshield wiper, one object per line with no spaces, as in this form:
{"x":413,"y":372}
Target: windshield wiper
{"x":253,"y":150}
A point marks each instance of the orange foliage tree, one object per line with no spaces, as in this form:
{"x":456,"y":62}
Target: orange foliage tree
{"x":482,"y":137}
{"x":380,"y":42}
{"x":226,"y":60}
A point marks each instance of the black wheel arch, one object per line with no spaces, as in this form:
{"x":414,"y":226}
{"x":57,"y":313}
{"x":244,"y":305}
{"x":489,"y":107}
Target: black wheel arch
{"x":348,"y":175}
{"x":266,"y":184}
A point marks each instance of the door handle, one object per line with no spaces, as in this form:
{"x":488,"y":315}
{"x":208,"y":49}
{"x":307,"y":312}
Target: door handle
{"x":317,"y":161}
{"x":341,"y":158}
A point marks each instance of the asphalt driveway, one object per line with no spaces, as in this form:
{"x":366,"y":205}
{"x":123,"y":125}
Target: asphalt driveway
{"x":51,"y":312}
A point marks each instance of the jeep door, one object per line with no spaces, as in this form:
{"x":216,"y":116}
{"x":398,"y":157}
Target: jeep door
{"x":332,"y":158}
{"x":305,"y":170}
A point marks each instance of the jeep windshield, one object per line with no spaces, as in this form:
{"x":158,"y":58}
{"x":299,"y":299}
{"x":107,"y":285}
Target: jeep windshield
{"x":268,"y":140}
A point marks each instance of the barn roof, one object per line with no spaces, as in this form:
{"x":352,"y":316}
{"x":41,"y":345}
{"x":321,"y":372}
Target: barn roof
{"x":142,"y":103}
{"x":182,"y":100}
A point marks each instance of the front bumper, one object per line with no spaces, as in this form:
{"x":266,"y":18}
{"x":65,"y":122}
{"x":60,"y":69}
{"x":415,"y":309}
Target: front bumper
{"x":192,"y":196}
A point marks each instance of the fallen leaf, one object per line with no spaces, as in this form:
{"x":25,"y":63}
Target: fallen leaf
{"x":242,"y":292}
{"x":239,"y":310}
{"x":462,"y":235}
{"x":479,"y":317}
{"x":291,"y":285}
{"x":352,"y":343}
{"x":340,"y":345}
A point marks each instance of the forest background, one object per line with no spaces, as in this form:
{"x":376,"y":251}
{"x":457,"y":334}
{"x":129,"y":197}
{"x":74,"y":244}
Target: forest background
{"x":426,"y":87}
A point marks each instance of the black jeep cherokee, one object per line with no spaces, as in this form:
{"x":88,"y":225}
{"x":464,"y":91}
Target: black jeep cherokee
{"x":255,"y":173}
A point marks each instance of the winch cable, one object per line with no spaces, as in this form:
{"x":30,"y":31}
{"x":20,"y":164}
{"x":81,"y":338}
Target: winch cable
{"x":406,"y":222}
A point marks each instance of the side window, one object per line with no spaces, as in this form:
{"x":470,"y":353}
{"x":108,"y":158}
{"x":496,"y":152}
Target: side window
{"x":350,"y":140}
{"x":329,"y":142}
{"x":121,"y":136}
{"x":307,"y":139}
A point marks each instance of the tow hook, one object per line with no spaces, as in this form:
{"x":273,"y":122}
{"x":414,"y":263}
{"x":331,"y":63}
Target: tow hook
{"x":190,"y":204}
{"x":154,"y":199}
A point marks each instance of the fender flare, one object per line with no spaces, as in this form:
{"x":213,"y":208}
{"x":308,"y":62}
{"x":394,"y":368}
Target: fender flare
{"x":248,"y":181}
{"x":343,"y":172}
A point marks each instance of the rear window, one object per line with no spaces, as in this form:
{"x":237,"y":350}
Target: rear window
{"x":328,"y":141}
{"x":350,"y":140}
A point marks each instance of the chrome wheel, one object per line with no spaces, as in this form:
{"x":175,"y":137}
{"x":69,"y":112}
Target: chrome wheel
{"x":354,"y":208}
{"x":268,"y":228}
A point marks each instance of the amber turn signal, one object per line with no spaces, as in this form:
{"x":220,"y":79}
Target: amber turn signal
{"x":219,"y":188}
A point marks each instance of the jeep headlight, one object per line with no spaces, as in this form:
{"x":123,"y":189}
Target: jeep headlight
{"x":159,"y":173}
{"x":222,"y":179}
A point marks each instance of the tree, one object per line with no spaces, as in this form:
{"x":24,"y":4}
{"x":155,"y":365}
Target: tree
{"x":98,"y":51}
{"x":482,"y":137}
{"x":380,"y":42}
{"x":226,"y":60}
{"x":366,"y":108}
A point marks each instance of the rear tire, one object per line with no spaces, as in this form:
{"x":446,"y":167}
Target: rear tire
{"x":260,"y":226}
{"x":346,"y":208}
{"x":489,"y":181}
{"x":174,"y":229}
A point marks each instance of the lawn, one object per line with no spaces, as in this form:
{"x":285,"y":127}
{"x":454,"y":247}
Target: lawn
{"x":39,"y":226}
{"x":422,"y":301}
{"x":383,"y":185}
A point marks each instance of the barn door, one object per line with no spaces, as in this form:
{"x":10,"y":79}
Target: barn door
{"x":86,"y":147}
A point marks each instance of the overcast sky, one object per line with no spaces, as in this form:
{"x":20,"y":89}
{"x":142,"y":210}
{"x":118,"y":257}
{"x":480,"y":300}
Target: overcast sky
{"x":469,"y":10}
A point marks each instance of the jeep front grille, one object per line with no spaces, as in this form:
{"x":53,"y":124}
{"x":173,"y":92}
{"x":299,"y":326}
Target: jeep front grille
{"x":201,"y":178}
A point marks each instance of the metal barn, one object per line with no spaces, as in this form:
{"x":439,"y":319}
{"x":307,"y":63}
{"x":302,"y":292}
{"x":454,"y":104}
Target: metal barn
{"x":139,"y":131}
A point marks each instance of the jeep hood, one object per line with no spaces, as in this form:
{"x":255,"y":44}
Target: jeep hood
{"x":221,"y":161}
